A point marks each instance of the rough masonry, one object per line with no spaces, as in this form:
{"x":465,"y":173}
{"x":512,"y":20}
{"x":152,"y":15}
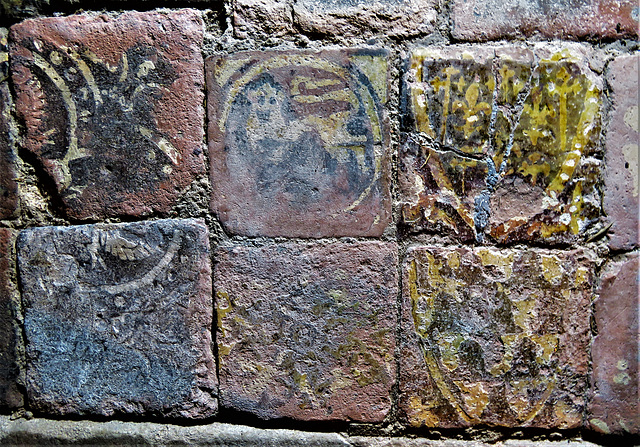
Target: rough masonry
{"x":394,"y":222}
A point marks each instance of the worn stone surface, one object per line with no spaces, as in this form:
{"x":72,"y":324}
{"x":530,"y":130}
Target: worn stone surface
{"x":496,"y":337}
{"x":298,"y":142}
{"x":56,"y":432}
{"x":118,"y":318}
{"x":393,"y":18}
{"x":614,"y":400}
{"x":113,"y":107}
{"x":272,"y":17}
{"x":566,"y":19}
{"x":50,"y":432}
{"x":621,"y":180}
{"x":500,"y":146}
{"x":10,"y":342}
{"x":307,"y":331}
{"x":339,"y":18}
{"x":8,"y":186}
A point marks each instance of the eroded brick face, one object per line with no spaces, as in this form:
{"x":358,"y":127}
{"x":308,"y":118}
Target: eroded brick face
{"x":117,"y":319}
{"x":393,"y":18}
{"x":501,"y":144}
{"x":298,"y":143}
{"x":621,"y":176}
{"x":307,"y":331}
{"x":614,"y":397}
{"x":10,"y":395}
{"x":8,"y":186}
{"x":497,"y":337}
{"x":112,"y":107}
{"x":486,"y":20}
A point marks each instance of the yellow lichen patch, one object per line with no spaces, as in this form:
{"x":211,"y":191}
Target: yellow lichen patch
{"x":421,"y":414}
{"x":421,"y":312}
{"x":475,"y":397}
{"x":552,"y":268}
{"x":492,"y":257}
{"x":449,"y":344}
{"x":582,"y":275}
{"x":453,"y":260}
{"x":223,"y":307}
{"x":523,"y":312}
{"x":340,"y":380}
{"x":548,"y":345}
{"x":566,"y":415}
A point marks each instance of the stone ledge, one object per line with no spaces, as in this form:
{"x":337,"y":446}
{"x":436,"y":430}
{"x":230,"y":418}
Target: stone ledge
{"x":52,"y":432}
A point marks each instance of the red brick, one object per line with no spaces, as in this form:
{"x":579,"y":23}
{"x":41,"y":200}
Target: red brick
{"x":495,"y":337}
{"x":485,"y":20}
{"x":8,"y":186}
{"x":391,"y":18}
{"x":364,"y":18}
{"x":117,"y":319}
{"x":621,"y":175}
{"x":10,"y":396}
{"x":112,"y":107}
{"x":307,"y":331}
{"x":614,"y":401}
{"x":298,"y":143}
{"x":517,"y":165}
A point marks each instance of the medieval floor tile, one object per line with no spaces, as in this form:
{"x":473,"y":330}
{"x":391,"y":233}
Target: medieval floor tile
{"x":621,"y":203}
{"x":496,"y":337}
{"x":298,"y":143}
{"x":113,"y":107}
{"x":118,"y":319}
{"x":306,"y":331}
{"x":500,"y":144}
{"x":614,"y":401}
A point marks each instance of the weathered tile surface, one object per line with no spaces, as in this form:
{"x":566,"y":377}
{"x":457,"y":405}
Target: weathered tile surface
{"x":298,"y":142}
{"x":307,"y":331}
{"x":112,"y":107}
{"x":500,"y":146}
{"x":621,"y":181}
{"x":494,"y":19}
{"x":340,"y":18}
{"x":497,"y":337}
{"x":118,"y":318}
{"x":614,"y":400}
{"x":269,"y":16}
{"x":10,"y":395}
{"x":393,"y":18}
{"x":8,"y":186}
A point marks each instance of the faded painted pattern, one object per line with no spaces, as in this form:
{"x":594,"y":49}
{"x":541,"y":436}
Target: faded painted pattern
{"x":307,"y":331}
{"x":113,"y":120}
{"x":497,"y":337}
{"x":298,"y":143}
{"x":501,"y":145}
{"x":117,"y":319}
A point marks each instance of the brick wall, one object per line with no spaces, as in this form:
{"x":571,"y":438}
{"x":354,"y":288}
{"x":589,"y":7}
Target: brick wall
{"x":395,"y":218}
